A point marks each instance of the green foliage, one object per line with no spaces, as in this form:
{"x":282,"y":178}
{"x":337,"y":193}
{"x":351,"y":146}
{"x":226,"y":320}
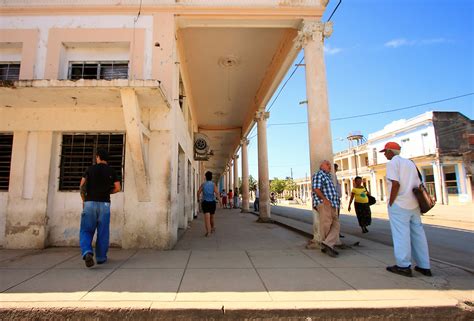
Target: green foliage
{"x":277,"y":185}
{"x":252,"y":184}
{"x":290,"y":185}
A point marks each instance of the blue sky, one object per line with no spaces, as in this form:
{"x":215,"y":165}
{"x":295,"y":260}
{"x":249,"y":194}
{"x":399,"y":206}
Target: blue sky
{"x":382,"y":55}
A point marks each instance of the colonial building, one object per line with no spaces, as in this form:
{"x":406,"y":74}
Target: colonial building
{"x":170,"y":87}
{"x":440,"y":143}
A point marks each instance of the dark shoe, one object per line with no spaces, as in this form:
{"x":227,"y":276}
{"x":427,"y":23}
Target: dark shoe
{"x":400,"y":270}
{"x":341,"y":236}
{"x":89,"y":259}
{"x":329,"y":250}
{"x":425,"y":272}
{"x":101,"y":262}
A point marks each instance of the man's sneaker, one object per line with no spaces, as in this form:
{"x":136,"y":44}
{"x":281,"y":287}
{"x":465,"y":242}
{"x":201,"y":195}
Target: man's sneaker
{"x":425,"y":272}
{"x":400,"y":270}
{"x":89,"y":259}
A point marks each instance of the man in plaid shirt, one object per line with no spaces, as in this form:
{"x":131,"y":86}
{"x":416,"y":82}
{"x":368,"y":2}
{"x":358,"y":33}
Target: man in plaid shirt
{"x":327,"y":202}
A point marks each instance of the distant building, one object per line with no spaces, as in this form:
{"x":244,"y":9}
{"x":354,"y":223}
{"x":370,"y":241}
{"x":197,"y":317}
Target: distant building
{"x":440,"y":143}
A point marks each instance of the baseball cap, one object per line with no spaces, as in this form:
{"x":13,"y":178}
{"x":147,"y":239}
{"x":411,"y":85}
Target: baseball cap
{"x":391,"y":145}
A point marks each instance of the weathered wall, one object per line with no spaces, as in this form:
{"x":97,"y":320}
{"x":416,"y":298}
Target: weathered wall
{"x":3,"y":216}
{"x":27,"y":198}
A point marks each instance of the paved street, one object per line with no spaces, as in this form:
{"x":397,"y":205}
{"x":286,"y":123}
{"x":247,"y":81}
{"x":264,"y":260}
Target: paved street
{"x":450,"y":239}
{"x":244,"y":270}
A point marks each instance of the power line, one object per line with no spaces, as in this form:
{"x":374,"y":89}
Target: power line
{"x":284,"y":84}
{"x":380,"y":112}
{"x":402,"y":108}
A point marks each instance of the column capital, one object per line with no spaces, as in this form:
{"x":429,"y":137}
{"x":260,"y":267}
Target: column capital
{"x":244,"y":141}
{"x":324,"y":3}
{"x":261,"y":115}
{"x":313,"y":30}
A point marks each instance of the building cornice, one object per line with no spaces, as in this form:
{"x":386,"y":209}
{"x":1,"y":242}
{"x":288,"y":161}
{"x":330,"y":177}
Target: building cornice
{"x":309,"y":8}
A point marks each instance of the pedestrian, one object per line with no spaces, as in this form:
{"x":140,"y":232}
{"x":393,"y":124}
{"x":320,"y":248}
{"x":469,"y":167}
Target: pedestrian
{"x":209,"y":194}
{"x":326,"y":202}
{"x":361,"y":203}
{"x":97,"y":183}
{"x":223,"y":199}
{"x":230,"y":197}
{"x":256,"y":203}
{"x":339,"y":193}
{"x":404,"y":214}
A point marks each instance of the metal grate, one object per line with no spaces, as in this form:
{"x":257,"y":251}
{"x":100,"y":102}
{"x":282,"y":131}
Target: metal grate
{"x":98,"y":70}
{"x":6,"y":144}
{"x":78,"y":153}
{"x":9,"y":71}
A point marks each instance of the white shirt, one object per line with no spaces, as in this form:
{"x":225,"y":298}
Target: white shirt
{"x":403,"y":171}
{"x":257,"y":193}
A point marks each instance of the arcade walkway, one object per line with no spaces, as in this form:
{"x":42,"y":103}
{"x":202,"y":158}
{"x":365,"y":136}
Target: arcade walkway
{"x":244,"y":270}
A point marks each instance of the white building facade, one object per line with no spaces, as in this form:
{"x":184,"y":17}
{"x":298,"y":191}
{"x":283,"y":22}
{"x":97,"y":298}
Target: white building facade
{"x":171,"y":88}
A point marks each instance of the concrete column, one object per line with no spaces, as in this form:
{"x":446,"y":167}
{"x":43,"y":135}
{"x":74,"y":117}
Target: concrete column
{"x":437,"y":182}
{"x":373,"y":183}
{"x":311,"y":38}
{"x":236,"y":180}
{"x":443,"y":185}
{"x":461,"y":178}
{"x":263,"y":176}
{"x":225,"y":180}
{"x":231,"y":177}
{"x":245,"y":175}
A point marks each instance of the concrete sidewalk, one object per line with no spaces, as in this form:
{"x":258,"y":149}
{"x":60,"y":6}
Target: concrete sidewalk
{"x":244,"y":270}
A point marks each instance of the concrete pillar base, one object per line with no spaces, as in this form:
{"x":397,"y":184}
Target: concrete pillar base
{"x":264,"y":220}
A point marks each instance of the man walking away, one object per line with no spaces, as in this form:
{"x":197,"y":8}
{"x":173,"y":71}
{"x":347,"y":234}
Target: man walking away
{"x":404,"y":214}
{"x":97,"y":183}
{"x":326,"y":201}
{"x":256,"y":203}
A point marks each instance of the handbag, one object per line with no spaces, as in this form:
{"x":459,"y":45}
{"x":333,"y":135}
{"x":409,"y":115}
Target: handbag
{"x":372,"y":200}
{"x":425,"y":201}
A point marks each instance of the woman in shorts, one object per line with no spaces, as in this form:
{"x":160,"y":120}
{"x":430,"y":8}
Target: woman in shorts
{"x":209,"y":194}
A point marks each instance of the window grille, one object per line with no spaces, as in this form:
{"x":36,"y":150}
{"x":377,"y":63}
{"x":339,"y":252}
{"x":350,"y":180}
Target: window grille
{"x":78,"y":153}
{"x":6,"y":144}
{"x":98,"y":70}
{"x":9,"y":71}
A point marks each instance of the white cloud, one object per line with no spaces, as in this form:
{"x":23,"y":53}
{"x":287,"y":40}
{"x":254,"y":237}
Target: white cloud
{"x":395,"y":43}
{"x":331,"y":51}
{"x":399,"y":42}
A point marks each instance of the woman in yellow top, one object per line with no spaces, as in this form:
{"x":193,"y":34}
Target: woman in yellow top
{"x":359,"y":192}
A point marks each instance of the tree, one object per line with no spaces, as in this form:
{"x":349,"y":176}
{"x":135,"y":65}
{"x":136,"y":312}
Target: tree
{"x":252,"y":184}
{"x":277,"y":185}
{"x":290,"y":185}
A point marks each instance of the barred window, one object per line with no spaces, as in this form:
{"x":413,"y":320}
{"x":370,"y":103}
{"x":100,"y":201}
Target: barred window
{"x":9,"y":71}
{"x":6,"y":144}
{"x":98,"y":70}
{"x":78,"y":153}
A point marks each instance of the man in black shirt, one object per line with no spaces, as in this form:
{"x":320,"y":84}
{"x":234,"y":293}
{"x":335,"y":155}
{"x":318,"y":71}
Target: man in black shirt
{"x":97,"y":183}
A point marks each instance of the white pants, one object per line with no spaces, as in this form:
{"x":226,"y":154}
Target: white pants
{"x":409,"y":237}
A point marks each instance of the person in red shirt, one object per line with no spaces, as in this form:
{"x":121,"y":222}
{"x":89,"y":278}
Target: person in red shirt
{"x":230,"y":197}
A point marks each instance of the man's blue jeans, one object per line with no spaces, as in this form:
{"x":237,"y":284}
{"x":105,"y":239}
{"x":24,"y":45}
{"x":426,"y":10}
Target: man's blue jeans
{"x":408,"y":237}
{"x":95,"y":215}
